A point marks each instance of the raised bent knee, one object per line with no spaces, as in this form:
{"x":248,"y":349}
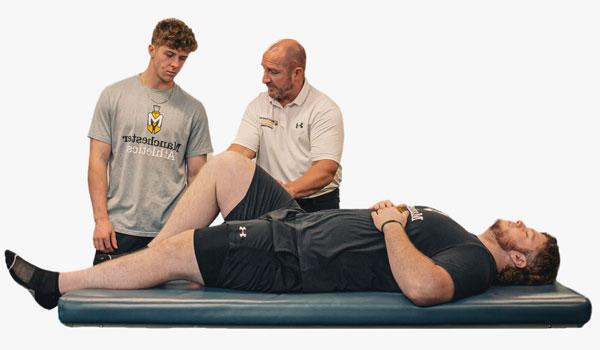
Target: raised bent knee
{"x":230,"y":164}
{"x":228,"y":159}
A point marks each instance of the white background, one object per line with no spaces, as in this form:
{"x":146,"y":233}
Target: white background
{"x":481,"y":109}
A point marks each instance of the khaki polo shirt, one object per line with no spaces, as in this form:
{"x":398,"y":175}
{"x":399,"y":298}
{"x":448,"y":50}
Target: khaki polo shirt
{"x":287,"y":140}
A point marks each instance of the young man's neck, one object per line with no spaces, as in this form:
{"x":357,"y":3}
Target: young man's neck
{"x":151,"y":80}
{"x":502,"y":259}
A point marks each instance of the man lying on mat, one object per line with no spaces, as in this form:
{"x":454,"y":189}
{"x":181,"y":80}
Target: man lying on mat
{"x":269,"y":244}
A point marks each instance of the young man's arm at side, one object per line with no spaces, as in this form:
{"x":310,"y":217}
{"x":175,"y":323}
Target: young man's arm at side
{"x":104,"y":234}
{"x":194,"y":164}
{"x":418,"y":277}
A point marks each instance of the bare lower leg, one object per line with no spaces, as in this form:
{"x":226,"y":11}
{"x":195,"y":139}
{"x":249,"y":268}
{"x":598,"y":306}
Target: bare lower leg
{"x":172,"y":259}
{"x":219,"y":187}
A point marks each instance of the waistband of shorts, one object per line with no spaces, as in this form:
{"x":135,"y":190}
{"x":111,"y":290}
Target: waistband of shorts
{"x":211,"y":245}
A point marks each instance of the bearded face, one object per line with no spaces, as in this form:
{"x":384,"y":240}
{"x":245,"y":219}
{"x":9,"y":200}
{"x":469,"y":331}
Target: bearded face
{"x":281,"y":88}
{"x":502,"y":237}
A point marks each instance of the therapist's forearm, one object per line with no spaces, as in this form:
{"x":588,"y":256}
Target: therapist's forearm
{"x":315,"y":178}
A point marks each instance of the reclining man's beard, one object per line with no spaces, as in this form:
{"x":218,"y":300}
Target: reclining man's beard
{"x":502,"y":238}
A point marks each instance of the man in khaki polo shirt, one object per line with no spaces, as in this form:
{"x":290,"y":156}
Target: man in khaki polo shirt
{"x":295,"y":131}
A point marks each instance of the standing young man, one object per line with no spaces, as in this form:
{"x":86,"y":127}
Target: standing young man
{"x":295,"y":131}
{"x":148,"y":139}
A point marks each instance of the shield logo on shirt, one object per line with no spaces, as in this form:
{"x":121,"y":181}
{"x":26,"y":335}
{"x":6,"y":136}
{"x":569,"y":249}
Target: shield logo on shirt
{"x":154,"y":121}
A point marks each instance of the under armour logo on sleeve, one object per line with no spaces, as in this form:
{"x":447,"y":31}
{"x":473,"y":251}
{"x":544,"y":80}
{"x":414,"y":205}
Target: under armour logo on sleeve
{"x":242,"y":231}
{"x":299,"y":125}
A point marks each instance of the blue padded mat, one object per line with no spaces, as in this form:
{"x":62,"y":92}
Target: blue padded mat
{"x":175,"y":304}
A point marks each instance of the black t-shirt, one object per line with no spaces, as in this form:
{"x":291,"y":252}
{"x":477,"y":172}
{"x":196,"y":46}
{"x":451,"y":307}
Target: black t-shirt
{"x":342,"y":250}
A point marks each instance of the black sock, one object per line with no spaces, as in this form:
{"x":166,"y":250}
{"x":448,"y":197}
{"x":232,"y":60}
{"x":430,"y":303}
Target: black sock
{"x":42,"y":284}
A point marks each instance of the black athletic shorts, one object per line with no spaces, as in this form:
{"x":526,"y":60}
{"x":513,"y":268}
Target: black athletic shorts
{"x":126,"y":244}
{"x":244,"y":253}
{"x":326,"y":201}
{"x":264,"y":195}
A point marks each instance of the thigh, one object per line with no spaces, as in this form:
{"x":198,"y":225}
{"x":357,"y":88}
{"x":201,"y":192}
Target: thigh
{"x":263,"y":195}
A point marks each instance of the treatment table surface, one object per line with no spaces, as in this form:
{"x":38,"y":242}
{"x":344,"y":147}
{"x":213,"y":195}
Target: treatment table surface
{"x":176,"y":304}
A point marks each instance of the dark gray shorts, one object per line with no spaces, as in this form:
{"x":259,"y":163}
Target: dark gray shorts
{"x":241,"y":253}
{"x":264,"y":195}
{"x":248,"y":255}
{"x":126,"y":244}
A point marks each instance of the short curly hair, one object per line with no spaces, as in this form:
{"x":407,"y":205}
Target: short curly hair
{"x":542,"y":269}
{"x":174,"y":34}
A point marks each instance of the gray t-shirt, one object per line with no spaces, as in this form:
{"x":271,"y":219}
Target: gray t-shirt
{"x":152,"y":133}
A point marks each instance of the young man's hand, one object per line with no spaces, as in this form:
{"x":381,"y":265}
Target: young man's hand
{"x":105,"y":238}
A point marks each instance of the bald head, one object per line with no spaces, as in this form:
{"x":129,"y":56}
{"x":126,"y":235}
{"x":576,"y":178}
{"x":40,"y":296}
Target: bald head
{"x":290,"y":52}
{"x":283,"y":64}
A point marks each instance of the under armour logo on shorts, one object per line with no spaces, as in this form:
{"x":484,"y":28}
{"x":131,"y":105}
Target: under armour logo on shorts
{"x":299,"y":125}
{"x":242,"y":231}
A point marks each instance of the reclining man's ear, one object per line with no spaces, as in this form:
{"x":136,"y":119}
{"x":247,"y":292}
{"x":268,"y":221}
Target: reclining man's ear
{"x":519,"y":259}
